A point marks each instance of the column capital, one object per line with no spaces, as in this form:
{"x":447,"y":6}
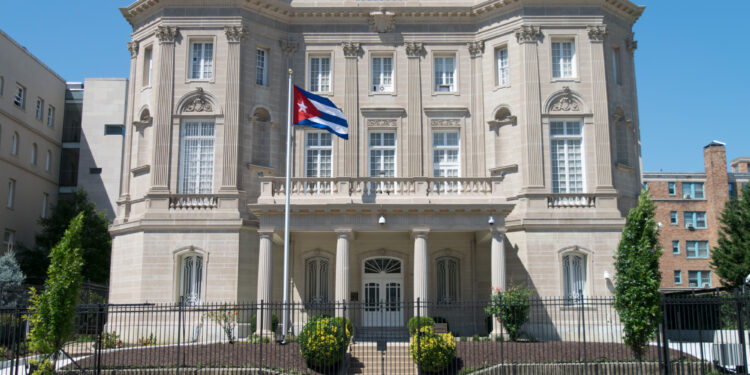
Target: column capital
{"x":266,"y":232}
{"x":414,"y":49}
{"x":597,"y":33}
{"x":235,"y":34}
{"x":133,"y":48}
{"x":420,"y":232}
{"x":344,"y":233}
{"x":476,"y":49}
{"x":166,"y":34}
{"x":351,"y":49}
{"x":288,"y":47}
{"x":528,"y":34}
{"x":631,"y":44}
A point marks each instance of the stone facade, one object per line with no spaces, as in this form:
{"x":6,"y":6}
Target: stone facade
{"x":446,"y":77}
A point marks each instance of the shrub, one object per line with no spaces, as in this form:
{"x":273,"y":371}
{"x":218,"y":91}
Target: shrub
{"x":226,"y":318}
{"x":323,"y":340}
{"x":511,"y":307}
{"x":12,"y":291}
{"x":147,"y":341}
{"x":433,"y":352}
{"x":254,"y":322}
{"x":110,"y":340}
{"x":424,"y":321}
{"x":41,"y":367}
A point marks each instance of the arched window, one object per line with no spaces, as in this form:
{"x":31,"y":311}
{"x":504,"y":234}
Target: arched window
{"x":316,"y":270}
{"x":48,"y":161}
{"x":447,"y":279}
{"x":14,"y":145}
{"x":191,"y":279}
{"x":33,"y":153}
{"x":574,"y":276}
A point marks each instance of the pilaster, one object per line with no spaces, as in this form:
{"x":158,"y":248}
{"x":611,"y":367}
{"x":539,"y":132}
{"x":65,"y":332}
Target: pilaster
{"x":597,"y":35}
{"x":128,"y":142}
{"x":475,"y":163}
{"x":163,"y":110}
{"x":413,"y":136}
{"x":532,"y":166}
{"x":230,"y":174}
{"x":347,"y":163}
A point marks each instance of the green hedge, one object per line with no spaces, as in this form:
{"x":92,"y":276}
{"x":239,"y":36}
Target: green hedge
{"x":425,"y":321}
{"x":323,"y":340}
{"x":434,"y":352}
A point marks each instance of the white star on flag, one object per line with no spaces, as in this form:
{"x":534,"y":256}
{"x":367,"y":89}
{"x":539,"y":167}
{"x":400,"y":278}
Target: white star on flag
{"x":302,"y":106}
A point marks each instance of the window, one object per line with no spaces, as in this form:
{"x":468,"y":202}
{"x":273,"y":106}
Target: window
{"x":94,"y":170}
{"x":11,"y":192}
{"x":191,"y":279}
{"x":48,"y":161}
{"x":382,"y":74}
{"x":692,"y":190}
{"x":316,"y":271}
{"x":563,"y":59}
{"x":320,"y":73}
{"x":675,"y":247}
{"x":574,"y":276}
{"x":114,"y":130}
{"x":382,"y":154}
{"x":197,"y":157}
{"x":51,"y":116}
{"x":45,"y":203}
{"x":678,"y":277}
{"x":9,"y":239}
{"x":445,"y":71}
{"x":447,"y":280}
{"x":20,"y":99}
{"x":14,"y":144}
{"x":697,"y":249}
{"x":616,"y":73}
{"x":33,"y":153}
{"x":201,"y":60}
{"x":261,"y":67}
{"x":567,"y":163}
{"x":318,"y":150}
{"x":503,"y":77}
{"x":39,"y":109}
{"x":699,"y":279}
{"x":645,"y":185}
{"x":672,"y":188}
{"x":445,"y":154}
{"x":148,"y":61}
{"x":673,"y":218}
{"x":732,"y":192}
{"x":695,"y":219}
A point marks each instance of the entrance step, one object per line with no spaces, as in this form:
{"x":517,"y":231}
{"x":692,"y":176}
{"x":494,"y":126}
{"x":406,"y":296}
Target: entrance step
{"x":366,"y":359}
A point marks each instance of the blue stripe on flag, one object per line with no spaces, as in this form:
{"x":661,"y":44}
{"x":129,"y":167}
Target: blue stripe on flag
{"x":309,"y":122}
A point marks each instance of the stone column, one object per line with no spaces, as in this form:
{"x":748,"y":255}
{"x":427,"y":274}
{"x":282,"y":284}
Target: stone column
{"x":532,"y":165}
{"x":413,"y":135}
{"x":347,"y":164}
{"x":265,"y":281}
{"x":232,"y":115}
{"x":163,"y":110}
{"x":475,"y":159}
{"x":342,"y":266}
{"x":497,"y":271}
{"x":421,"y":271}
{"x":597,"y":35}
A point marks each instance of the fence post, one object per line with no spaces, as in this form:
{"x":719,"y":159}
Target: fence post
{"x":260,"y":336}
{"x":17,"y":339}
{"x":665,"y":339}
{"x":583,"y":329}
{"x":100,"y":330}
{"x":741,"y":330}
{"x":419,"y":337}
{"x":179,"y":335}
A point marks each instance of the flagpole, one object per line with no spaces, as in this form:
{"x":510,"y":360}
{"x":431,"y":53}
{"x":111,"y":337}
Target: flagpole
{"x":287,"y":192}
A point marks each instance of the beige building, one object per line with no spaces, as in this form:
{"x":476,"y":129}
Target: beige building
{"x":32,"y":98}
{"x":491,"y":144}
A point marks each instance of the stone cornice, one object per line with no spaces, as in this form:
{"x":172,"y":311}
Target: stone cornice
{"x":528,"y":34}
{"x":166,"y":34}
{"x":235,"y":34}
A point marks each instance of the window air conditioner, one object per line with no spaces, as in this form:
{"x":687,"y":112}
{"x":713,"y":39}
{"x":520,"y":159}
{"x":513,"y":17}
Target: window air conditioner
{"x":687,"y":196}
{"x":690,"y":227}
{"x":444,"y":87}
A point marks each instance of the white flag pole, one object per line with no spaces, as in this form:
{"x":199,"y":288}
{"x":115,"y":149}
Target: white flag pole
{"x":287,"y":192}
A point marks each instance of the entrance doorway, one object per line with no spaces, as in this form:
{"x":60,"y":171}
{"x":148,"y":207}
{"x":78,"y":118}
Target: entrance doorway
{"x":382,"y":284}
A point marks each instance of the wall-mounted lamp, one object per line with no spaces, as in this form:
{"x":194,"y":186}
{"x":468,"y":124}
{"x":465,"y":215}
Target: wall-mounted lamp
{"x":381,"y":220}
{"x":491,"y":220}
{"x":607,"y":276}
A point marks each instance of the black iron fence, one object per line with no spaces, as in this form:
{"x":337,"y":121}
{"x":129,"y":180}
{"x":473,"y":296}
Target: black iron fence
{"x":698,"y":335}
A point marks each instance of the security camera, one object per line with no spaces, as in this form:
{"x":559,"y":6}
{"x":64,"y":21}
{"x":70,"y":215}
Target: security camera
{"x":491,"y":220}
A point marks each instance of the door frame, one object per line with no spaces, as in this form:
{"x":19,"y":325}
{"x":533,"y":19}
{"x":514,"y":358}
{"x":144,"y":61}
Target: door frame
{"x":383,"y":279}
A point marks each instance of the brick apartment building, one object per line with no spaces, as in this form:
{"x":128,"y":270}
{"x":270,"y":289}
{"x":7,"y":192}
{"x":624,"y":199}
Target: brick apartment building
{"x":688,"y":207}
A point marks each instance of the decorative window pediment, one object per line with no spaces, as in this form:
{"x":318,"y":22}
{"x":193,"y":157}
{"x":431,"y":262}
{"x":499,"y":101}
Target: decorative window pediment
{"x":565,"y":101}
{"x":198,"y":102}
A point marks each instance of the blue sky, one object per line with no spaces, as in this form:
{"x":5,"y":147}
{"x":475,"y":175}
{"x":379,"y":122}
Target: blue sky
{"x":692,"y":66}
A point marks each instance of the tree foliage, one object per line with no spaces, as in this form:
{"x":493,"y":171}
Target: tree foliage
{"x":637,"y":296}
{"x":52,"y":312}
{"x":731,"y":258}
{"x":95,"y":240}
{"x":12,"y":291}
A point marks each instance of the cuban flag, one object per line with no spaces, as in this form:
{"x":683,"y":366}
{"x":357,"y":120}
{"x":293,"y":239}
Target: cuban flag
{"x":318,"y":112}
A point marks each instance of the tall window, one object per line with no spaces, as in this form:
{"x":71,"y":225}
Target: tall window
{"x":148,"y":61}
{"x":695,"y":219}
{"x":447,"y":279}
{"x":677,"y":277}
{"x":320,"y":73}
{"x":445,"y":71}
{"x":574,"y":276}
{"x":261,"y":67}
{"x":318,"y":150}
{"x":382,"y":74}
{"x":14,"y":144}
{"x":48,"y":161}
{"x":317,"y":280}
{"x":11,"y":193}
{"x":675,"y":247}
{"x":445,"y":154}
{"x":201,"y":60}
{"x":673,"y":218}
{"x":33,"y":154}
{"x":20,"y":99}
{"x":692,"y":190}
{"x":9,"y":239}
{"x":563,"y":59}
{"x":671,"y":188}
{"x":624,"y":143}
{"x":51,"y":116}
{"x":503,"y":76}
{"x":567,"y":157}
{"x":39,"y":109}
{"x":191,"y":279}
{"x":45,"y":203}
{"x":732,"y":192}
{"x":699,"y":279}
{"x":696,"y":249}
{"x":382,"y":154}
{"x":197,"y":157}
{"x":616,"y":73}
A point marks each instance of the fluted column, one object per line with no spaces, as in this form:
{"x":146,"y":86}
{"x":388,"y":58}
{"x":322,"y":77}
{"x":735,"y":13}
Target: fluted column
{"x":229,"y":180}
{"x":128,"y":143}
{"x":342,"y":265}
{"x":421,"y":274}
{"x":413,"y":137}
{"x":163,"y":110}
{"x":603,"y":161}
{"x":288,"y":49}
{"x":475,"y":158}
{"x":347,"y":164}
{"x":265,"y":281}
{"x":497,"y":271}
{"x":531,"y":122}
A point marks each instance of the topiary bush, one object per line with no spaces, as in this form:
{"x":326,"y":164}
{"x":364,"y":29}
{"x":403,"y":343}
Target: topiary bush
{"x":254,"y":323}
{"x":323,"y":340}
{"x":433,"y":353}
{"x":424,"y":321}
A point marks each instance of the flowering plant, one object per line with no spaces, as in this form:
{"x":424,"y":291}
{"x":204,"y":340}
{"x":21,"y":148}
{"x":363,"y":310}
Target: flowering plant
{"x":511,"y":308}
{"x":433,"y":352}
{"x":226,"y":319}
{"x":323,"y":340}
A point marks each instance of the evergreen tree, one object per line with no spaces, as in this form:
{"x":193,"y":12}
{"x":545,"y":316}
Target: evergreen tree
{"x":731,"y":258}
{"x":637,"y":296}
{"x":95,"y":240}
{"x":12,"y":291}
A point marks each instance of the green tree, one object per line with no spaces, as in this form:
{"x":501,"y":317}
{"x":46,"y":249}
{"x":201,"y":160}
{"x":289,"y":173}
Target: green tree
{"x":95,"y":240}
{"x":731,"y":258}
{"x":12,"y":291}
{"x":52,"y":312}
{"x":637,"y":296}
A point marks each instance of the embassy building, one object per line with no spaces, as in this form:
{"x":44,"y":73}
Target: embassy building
{"x":491,"y":143}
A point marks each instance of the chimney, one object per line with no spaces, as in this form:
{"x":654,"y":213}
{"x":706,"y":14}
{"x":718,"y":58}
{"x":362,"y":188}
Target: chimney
{"x":716,"y":189}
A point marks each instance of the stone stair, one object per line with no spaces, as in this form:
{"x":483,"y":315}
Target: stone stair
{"x":366,"y":359}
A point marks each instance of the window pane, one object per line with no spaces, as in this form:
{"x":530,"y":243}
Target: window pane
{"x":197,"y":159}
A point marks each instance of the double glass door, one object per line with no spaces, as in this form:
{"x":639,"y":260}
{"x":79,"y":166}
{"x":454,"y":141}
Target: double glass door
{"x":383,"y":293}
